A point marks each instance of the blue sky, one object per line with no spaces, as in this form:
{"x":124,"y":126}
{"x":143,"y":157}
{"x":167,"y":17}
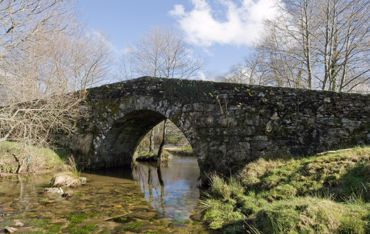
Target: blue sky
{"x":209,"y":27}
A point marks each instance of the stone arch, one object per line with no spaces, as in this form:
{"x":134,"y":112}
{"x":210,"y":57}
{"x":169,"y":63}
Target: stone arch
{"x":228,"y":125}
{"x":126,"y":132}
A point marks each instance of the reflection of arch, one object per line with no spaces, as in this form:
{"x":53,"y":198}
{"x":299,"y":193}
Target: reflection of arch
{"x":124,"y":136}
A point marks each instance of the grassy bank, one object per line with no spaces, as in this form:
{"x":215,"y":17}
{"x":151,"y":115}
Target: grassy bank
{"x":16,"y":158}
{"x":167,"y":153}
{"x":327,"y":193}
{"x":184,"y":150}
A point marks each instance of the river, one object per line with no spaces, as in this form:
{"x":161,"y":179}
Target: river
{"x":141,"y":200}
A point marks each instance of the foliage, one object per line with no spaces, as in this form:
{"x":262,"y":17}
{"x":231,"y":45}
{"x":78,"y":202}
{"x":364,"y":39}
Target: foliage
{"x":325,"y":193}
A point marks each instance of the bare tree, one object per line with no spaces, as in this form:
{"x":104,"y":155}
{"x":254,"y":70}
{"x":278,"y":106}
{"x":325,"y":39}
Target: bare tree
{"x":254,"y":71}
{"x":20,"y":20}
{"x":38,"y":73}
{"x":344,"y":48}
{"x":162,"y":53}
{"x":319,"y":44}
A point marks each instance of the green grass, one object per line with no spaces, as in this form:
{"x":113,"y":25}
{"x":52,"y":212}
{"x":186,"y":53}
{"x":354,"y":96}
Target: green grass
{"x":341,"y":174}
{"x":34,"y":159}
{"x":185,"y":150}
{"x":174,"y":138}
{"x":326,"y":193}
{"x":45,"y":226}
{"x":134,"y":226}
{"x":77,"y":225}
{"x":146,"y":156}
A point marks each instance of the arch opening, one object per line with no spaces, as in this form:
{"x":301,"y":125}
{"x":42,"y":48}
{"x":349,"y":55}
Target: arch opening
{"x":171,"y":186}
{"x":139,"y":133}
{"x":161,"y":142}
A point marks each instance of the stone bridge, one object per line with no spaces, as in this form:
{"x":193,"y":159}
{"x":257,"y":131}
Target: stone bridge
{"x":226,"y":124}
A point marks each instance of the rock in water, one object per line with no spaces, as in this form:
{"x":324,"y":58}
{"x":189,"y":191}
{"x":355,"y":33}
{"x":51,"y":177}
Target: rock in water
{"x":67,"y":194}
{"x":10,"y":229}
{"x":18,"y":223}
{"x":66,"y":179}
{"x":83,"y":180}
{"x":58,"y":191}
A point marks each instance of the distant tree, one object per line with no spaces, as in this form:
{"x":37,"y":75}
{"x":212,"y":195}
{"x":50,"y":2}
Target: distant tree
{"x":252,"y":71}
{"x":161,"y":53}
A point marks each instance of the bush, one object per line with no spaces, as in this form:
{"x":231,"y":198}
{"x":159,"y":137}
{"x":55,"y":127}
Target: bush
{"x":220,"y":213}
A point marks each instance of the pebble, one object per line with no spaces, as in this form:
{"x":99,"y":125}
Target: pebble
{"x":18,"y":223}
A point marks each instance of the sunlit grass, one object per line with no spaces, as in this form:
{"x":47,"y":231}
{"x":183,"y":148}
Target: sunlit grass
{"x":30,"y":158}
{"x":327,"y":193}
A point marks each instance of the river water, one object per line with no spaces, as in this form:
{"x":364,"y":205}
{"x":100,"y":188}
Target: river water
{"x":142,"y":200}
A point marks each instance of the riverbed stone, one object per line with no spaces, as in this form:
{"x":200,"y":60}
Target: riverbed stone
{"x":10,"y":229}
{"x":66,"y":179}
{"x":18,"y":223}
{"x":58,"y":191}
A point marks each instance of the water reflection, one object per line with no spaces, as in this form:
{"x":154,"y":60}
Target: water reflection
{"x":171,"y":189}
{"x":107,"y":204}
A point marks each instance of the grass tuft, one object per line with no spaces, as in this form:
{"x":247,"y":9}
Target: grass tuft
{"x":326,"y":193}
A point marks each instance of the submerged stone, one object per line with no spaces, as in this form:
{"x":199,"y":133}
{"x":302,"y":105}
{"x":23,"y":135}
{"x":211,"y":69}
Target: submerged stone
{"x":10,"y":229}
{"x":18,"y":223}
{"x":66,"y":179}
{"x":58,"y":191}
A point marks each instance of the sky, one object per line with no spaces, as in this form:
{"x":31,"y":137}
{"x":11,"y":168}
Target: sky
{"x":221,"y":32}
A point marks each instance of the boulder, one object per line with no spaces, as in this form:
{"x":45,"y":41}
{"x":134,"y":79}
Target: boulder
{"x":66,"y":179}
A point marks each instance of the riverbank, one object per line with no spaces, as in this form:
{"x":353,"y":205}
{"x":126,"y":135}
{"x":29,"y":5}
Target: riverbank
{"x":325,"y":193}
{"x":17,"y":158}
{"x":168,"y":152}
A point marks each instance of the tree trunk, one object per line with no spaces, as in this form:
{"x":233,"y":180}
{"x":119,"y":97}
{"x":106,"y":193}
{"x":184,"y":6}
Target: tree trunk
{"x":151,"y":141}
{"x":159,"y":155}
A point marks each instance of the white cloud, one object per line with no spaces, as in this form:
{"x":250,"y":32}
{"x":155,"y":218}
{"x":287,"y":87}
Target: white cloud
{"x":243,"y":22}
{"x":100,"y":39}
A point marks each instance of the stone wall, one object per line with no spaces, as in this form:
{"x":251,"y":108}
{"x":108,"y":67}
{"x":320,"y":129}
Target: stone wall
{"x":227,"y":124}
